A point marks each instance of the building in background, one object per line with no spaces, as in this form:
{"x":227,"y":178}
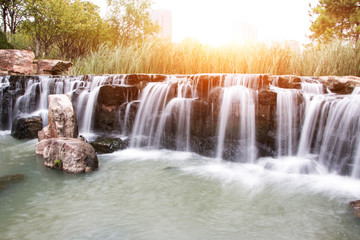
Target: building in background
{"x":244,"y":32}
{"x":164,"y":19}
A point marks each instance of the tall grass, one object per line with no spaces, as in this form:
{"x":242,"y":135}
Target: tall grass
{"x":191,"y":57}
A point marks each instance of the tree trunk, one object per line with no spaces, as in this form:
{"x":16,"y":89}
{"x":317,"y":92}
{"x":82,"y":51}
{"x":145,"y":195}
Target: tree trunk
{"x":37,"y":47}
{"x":4,"y":14}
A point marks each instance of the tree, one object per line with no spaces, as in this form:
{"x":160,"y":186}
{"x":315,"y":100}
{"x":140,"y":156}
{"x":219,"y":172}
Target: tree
{"x":43,"y":22}
{"x":12,"y":14}
{"x":3,"y":42}
{"x":81,"y":29}
{"x":73,"y":27}
{"x":335,"y":19}
{"x":130,"y":20}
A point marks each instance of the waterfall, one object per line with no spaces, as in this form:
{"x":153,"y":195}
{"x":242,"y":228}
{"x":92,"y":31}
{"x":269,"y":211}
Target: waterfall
{"x":91,"y":101}
{"x":214,"y":115}
{"x":287,"y":120}
{"x":237,"y":123}
{"x":157,"y":104}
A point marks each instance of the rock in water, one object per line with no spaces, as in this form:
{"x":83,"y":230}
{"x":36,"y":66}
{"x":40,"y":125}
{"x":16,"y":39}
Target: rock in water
{"x":108,"y":145}
{"x":356,"y":207}
{"x":58,"y":143}
{"x":61,"y":117}
{"x":68,"y":154}
{"x":27,"y":127}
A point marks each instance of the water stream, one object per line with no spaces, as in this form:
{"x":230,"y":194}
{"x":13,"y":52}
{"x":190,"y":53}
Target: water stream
{"x":163,"y":194}
{"x":150,"y":192}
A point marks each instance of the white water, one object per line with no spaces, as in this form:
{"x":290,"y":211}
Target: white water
{"x":162,"y":194}
{"x":309,"y":122}
{"x":238,"y":105}
{"x":157,"y":104}
{"x":287,"y":121}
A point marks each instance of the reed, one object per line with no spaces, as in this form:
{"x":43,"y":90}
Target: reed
{"x":192,"y":57}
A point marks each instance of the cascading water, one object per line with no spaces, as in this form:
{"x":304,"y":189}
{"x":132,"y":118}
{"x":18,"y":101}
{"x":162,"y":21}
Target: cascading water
{"x":162,"y":104}
{"x":307,"y":122}
{"x":91,"y":99}
{"x":220,"y":117}
{"x":237,"y":123}
{"x":287,"y":120}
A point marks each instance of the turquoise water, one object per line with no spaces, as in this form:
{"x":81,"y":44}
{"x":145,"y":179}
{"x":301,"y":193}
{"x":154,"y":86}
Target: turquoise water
{"x":162,"y":194}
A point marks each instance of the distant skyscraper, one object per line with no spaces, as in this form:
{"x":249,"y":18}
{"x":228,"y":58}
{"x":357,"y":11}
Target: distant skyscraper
{"x":164,"y":19}
{"x":244,"y":32}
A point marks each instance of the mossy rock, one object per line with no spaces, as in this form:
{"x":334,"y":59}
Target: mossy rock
{"x":5,"y":180}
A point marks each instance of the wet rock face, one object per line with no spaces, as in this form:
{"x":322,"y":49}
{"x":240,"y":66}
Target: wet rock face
{"x":5,"y":180}
{"x":108,"y":145}
{"x":110,"y":101}
{"x":289,"y":82}
{"x":68,"y":154}
{"x":340,"y":85}
{"x":137,"y":79}
{"x":27,"y":127}
{"x":61,"y":117}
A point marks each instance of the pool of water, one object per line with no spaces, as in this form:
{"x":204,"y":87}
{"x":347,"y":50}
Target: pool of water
{"x":162,"y":194}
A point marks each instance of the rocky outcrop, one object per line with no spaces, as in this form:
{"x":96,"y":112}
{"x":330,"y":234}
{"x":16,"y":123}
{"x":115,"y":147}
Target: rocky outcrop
{"x":16,"y":62}
{"x":21,"y":62}
{"x":26,"y":127}
{"x":68,"y":154}
{"x":356,"y":207}
{"x":108,"y":145}
{"x":51,"y":67}
{"x":111,"y":100}
{"x":5,"y":180}
{"x":290,"y":82}
{"x":58,"y":143}
{"x":61,"y":118}
{"x":340,"y":85}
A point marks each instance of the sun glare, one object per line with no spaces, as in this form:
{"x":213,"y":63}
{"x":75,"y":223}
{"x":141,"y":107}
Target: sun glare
{"x":228,"y":21}
{"x":218,"y":22}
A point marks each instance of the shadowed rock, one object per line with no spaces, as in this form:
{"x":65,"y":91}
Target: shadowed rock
{"x":27,"y":127}
{"x":108,"y":145}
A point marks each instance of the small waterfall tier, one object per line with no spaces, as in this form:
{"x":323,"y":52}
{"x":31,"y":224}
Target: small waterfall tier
{"x":235,"y":117}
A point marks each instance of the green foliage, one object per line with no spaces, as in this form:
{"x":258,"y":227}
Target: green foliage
{"x":3,"y":42}
{"x":130,"y":21}
{"x":22,"y":41}
{"x":336,"y":19}
{"x":72,"y":27}
{"x":57,"y":163}
{"x":12,"y":14}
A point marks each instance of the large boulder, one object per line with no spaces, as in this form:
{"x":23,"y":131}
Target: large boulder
{"x":61,"y":118}
{"x":68,"y":154}
{"x":51,"y":66}
{"x":26,"y":127}
{"x":16,"y":62}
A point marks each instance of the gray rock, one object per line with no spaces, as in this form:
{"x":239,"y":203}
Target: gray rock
{"x":108,"y":145}
{"x":68,"y":154}
{"x":62,"y":118}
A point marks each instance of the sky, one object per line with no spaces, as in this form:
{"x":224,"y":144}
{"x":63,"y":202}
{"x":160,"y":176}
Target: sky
{"x":212,"y":21}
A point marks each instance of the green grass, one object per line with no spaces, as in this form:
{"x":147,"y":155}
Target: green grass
{"x":192,"y":57}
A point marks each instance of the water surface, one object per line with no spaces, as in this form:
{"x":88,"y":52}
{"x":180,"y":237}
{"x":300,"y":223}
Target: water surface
{"x":162,"y":194}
